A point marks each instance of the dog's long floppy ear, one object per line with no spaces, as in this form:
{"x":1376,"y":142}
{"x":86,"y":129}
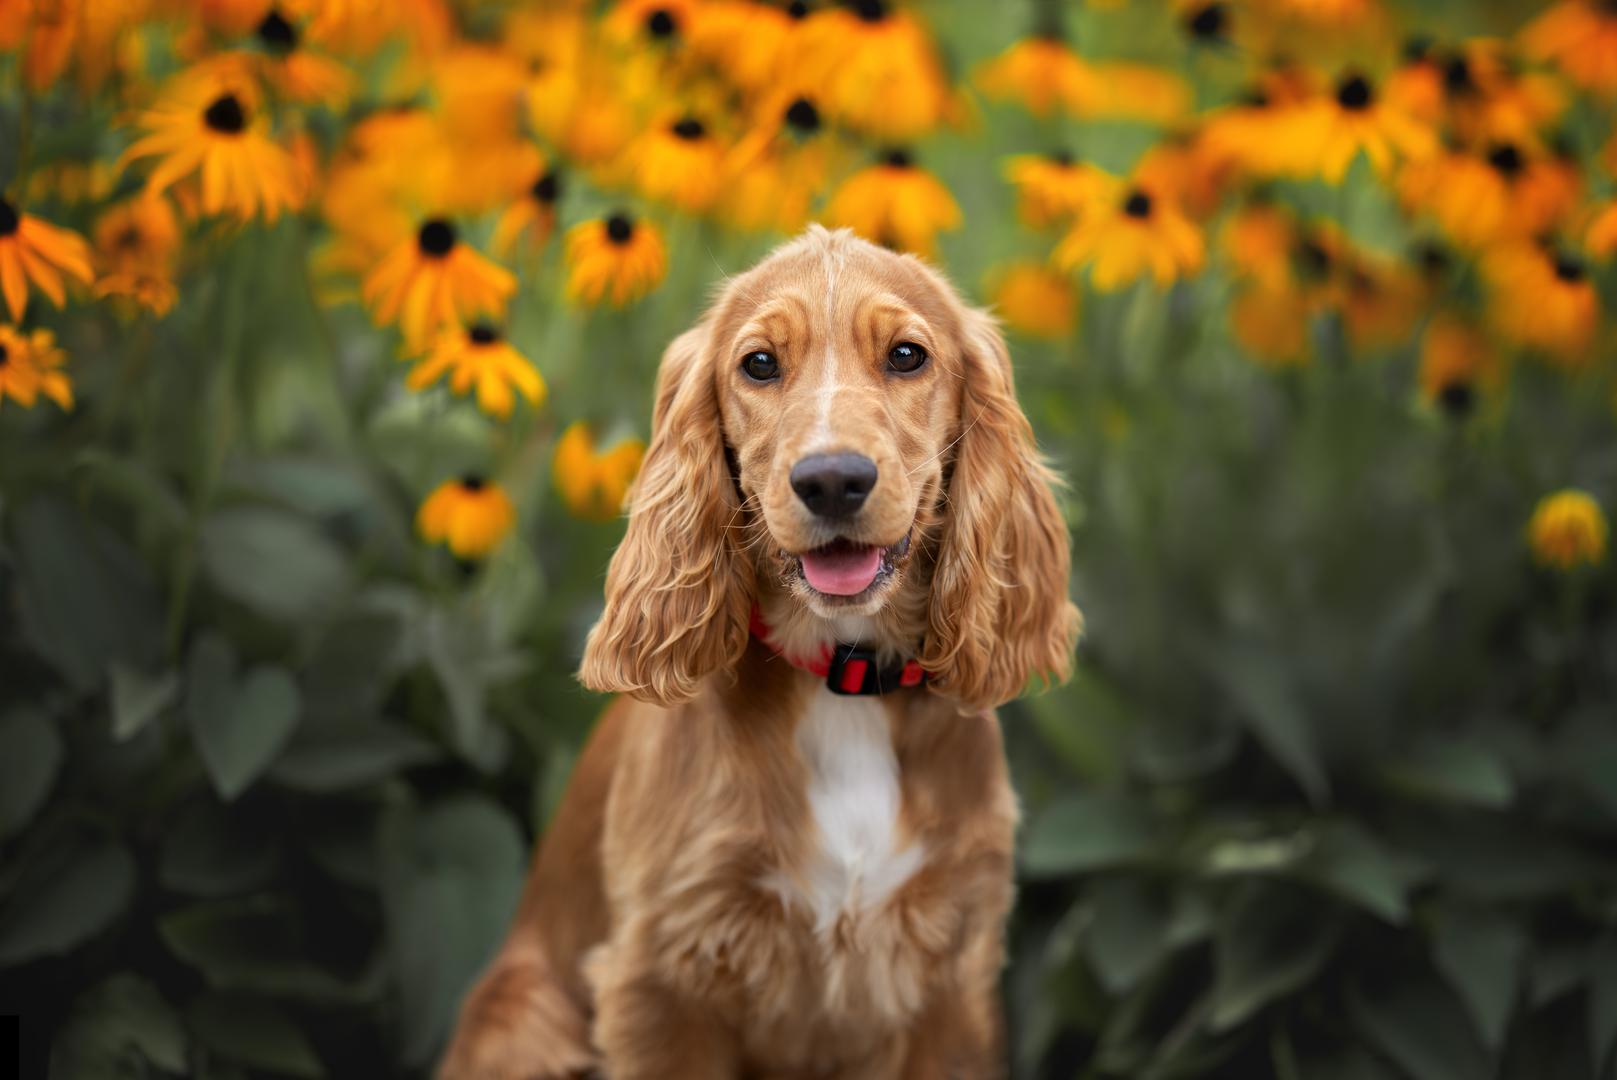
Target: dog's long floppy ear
{"x":678,"y":592}
{"x":999,"y":612}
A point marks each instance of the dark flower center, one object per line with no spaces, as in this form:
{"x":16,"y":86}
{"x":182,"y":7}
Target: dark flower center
{"x":1256,"y":97}
{"x":660,"y":23}
{"x":1061,"y":157}
{"x":1457,"y":76}
{"x":1507,"y":159}
{"x":5,"y":355}
{"x":689,"y":128}
{"x":1457,"y":399}
{"x":9,"y":219}
{"x":483,"y":334}
{"x":278,"y":35}
{"x":871,"y":11}
{"x":225,"y":115}
{"x":546,"y":189}
{"x":897,"y":158}
{"x":1354,"y":93}
{"x":473,"y":483}
{"x":1209,"y":22}
{"x":1417,"y":48}
{"x":1316,"y":261}
{"x":128,"y":238}
{"x":797,"y":9}
{"x":1137,"y":205}
{"x":1432,"y":259}
{"x":1569,"y":268}
{"x":803,"y":116}
{"x":436,"y":238}
{"x":619,"y":227}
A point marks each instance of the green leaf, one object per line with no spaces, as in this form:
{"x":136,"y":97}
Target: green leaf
{"x":334,"y":757}
{"x":1126,"y":934}
{"x":73,"y":900}
{"x":1267,"y":702}
{"x":30,"y":754}
{"x":1481,"y":955}
{"x":1087,"y":724}
{"x":239,"y":728}
{"x":1078,"y":833}
{"x":276,"y":563}
{"x":84,"y":598}
{"x":122,"y":1015}
{"x":1417,"y":1022}
{"x":209,"y":852}
{"x":1271,"y":940}
{"x":451,"y":875}
{"x":138,"y":698}
{"x":1354,"y":865}
{"x":1463,"y":773}
{"x":250,"y":1031}
{"x":253,"y":945}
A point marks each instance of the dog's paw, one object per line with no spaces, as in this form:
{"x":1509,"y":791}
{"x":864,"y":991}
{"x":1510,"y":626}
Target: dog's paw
{"x":518,"y":1024}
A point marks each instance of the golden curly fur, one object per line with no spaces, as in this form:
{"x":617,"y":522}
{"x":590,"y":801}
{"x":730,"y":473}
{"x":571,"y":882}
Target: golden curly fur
{"x":749,"y":876}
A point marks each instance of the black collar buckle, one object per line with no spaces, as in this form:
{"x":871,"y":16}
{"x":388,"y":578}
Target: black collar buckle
{"x":855,"y":671}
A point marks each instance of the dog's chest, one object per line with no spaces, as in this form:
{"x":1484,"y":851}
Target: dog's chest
{"x":858,"y":857}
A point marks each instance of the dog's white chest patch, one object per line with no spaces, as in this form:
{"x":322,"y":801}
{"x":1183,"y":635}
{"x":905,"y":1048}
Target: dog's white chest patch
{"x":854,"y":795}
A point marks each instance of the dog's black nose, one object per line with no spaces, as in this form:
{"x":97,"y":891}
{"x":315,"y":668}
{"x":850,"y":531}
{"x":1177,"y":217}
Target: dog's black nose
{"x":833,"y":485}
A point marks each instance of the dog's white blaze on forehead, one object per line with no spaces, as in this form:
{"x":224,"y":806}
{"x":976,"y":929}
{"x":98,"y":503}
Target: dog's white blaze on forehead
{"x":854,"y":795}
{"x":832,"y":258}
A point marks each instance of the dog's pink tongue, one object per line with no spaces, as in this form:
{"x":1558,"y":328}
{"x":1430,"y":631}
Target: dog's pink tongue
{"x":842,"y":571}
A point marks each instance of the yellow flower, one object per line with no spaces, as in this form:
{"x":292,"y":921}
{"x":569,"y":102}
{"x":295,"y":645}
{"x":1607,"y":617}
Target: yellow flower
{"x":896,"y":204}
{"x":136,"y":242}
{"x":1035,"y":299}
{"x":46,"y":30}
{"x":1130,"y":237}
{"x":1507,"y":193}
{"x":1053,"y":189}
{"x":480,"y":356}
{"x":748,"y":42}
{"x":1457,"y":361}
{"x":774,"y":173}
{"x":433,"y":280}
{"x":1259,"y":240}
{"x":1185,"y":168}
{"x":531,"y":215}
{"x":678,"y":163}
{"x":1044,"y":74}
{"x":1602,"y":236}
{"x":471,"y":515}
{"x":37,"y":251}
{"x":1568,"y":530}
{"x":615,"y":259}
{"x":873,"y":68}
{"x":30,"y":366}
{"x":593,"y":483}
{"x":1580,"y":38}
{"x":295,"y":72}
{"x":1490,"y":99}
{"x":1327,"y":133}
{"x":1543,"y":299}
{"x":214,"y":129}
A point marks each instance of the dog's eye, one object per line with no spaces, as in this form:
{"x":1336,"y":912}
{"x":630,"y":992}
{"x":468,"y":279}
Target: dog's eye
{"x":906,"y":357}
{"x":761,"y":366}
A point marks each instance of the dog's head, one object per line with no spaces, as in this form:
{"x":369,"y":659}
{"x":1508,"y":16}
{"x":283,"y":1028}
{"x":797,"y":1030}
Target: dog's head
{"x":838,"y":436}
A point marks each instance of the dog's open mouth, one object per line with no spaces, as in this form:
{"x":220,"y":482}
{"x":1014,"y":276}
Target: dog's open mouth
{"x":846,"y":568}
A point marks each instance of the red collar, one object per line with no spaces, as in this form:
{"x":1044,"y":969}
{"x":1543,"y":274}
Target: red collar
{"x":847,"y":669}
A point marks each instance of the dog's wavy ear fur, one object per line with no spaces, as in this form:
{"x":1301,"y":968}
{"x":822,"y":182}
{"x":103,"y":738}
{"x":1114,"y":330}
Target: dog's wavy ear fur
{"x":999,"y":612}
{"x":678,"y":592}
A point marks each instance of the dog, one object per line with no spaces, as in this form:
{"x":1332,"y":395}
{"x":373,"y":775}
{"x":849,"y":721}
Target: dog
{"x":787,"y":848}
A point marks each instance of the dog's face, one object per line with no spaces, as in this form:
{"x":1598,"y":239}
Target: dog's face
{"x":839,"y":427}
{"x":839,"y":374}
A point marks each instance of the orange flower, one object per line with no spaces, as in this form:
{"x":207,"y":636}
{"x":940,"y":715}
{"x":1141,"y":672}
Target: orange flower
{"x":1035,"y":300}
{"x":895,"y":203}
{"x":1130,"y":237}
{"x":479,"y":356}
{"x":30,"y":365}
{"x":1543,"y":299}
{"x":1330,"y":131}
{"x":1457,"y":361}
{"x":593,"y":482}
{"x":36,"y":251}
{"x":1053,"y":189}
{"x":1580,"y":38}
{"x":1043,"y":74}
{"x":433,"y":280}
{"x":614,"y":259}
{"x":873,"y":69}
{"x":470,"y":515}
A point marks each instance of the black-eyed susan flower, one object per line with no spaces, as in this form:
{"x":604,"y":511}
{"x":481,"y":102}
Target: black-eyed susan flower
{"x":1333,"y":129}
{"x":37,"y":252}
{"x":1580,"y":38}
{"x":1568,"y":530}
{"x":531,"y":217}
{"x":1184,"y":168}
{"x":1055,"y":189}
{"x":1541,"y":297}
{"x":1416,"y":86}
{"x":678,"y":163}
{"x":650,"y":22}
{"x":471,"y":515}
{"x":1044,"y":74}
{"x":434,"y":279}
{"x":1490,"y":98}
{"x":1034,"y":299}
{"x":213,"y":130}
{"x":479,"y":357}
{"x":1506,"y":192}
{"x":1258,"y":240}
{"x":1134,"y":235}
{"x":297,"y":73}
{"x":31,"y":366}
{"x":895,"y":203}
{"x":774,"y":173}
{"x":1379,"y":303}
{"x":592,"y":481}
{"x":1458,"y":364}
{"x":136,"y":242}
{"x":45,"y":33}
{"x":748,"y":43}
{"x":874,"y":69}
{"x":616,"y":260}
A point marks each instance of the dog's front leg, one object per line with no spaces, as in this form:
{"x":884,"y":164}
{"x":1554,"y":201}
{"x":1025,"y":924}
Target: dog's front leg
{"x":645,"y":1030}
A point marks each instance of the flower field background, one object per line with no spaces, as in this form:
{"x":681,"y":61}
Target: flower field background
{"x":327,"y":337}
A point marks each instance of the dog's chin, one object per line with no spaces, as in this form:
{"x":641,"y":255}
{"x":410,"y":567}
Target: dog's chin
{"x":889,"y":560}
